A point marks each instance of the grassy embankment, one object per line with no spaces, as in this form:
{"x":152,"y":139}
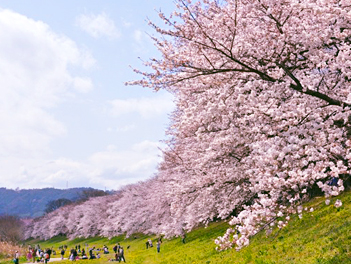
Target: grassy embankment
{"x":322,"y":236}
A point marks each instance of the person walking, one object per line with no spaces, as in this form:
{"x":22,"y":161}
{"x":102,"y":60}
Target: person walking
{"x":121,"y":254}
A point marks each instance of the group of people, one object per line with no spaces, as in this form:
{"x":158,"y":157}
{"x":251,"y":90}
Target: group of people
{"x":78,"y":253}
{"x":36,"y":254}
{"x":119,"y":253}
{"x":158,"y":244}
{"x":73,"y":252}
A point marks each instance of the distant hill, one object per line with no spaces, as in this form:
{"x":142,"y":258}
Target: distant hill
{"x":32,"y":202}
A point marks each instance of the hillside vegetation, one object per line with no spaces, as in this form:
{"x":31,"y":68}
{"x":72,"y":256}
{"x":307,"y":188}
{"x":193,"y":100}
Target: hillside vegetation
{"x":321,"y":236}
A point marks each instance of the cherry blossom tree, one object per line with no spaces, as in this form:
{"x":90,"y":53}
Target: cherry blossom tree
{"x":49,"y":225}
{"x":262,"y":120}
{"x":141,"y":208}
{"x":84,"y":219}
{"x":263,"y":106}
{"x":137,"y":208}
{"x":93,"y":214}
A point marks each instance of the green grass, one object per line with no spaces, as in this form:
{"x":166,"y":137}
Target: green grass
{"x":322,"y":236}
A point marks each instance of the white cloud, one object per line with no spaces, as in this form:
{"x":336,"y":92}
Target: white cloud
{"x":125,"y":128}
{"x":34,"y":78}
{"x":123,"y":167}
{"x":38,"y":80}
{"x":111,"y":168}
{"x":82,"y":85}
{"x":40,"y":173}
{"x":146,"y":107}
{"x":140,"y":158}
{"x":98,"y":25}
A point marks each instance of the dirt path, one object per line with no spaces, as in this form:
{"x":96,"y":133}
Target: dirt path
{"x":51,"y":260}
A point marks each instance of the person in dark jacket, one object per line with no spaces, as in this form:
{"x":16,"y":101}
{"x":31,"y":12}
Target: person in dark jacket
{"x":62,"y":253}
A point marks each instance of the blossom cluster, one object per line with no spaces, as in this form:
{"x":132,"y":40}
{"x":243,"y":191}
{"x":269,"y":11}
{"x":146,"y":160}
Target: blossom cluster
{"x":262,"y":121}
{"x":263,"y":109}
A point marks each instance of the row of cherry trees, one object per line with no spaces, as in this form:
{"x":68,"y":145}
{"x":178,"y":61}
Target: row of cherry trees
{"x":262,"y":117}
{"x":138,"y":208}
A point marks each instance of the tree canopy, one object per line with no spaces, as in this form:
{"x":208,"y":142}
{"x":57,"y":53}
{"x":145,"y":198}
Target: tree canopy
{"x":263,"y":106}
{"x":262,"y":92}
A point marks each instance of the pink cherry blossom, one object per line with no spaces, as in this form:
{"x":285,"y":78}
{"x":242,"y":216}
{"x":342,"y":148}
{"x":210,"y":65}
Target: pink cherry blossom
{"x":262,"y":121}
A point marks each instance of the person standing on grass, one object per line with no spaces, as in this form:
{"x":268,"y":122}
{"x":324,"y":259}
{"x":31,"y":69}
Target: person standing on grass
{"x":183,"y":238}
{"x":34,"y":253}
{"x":121,"y":254}
{"x":158,"y":246}
{"x":16,"y":259}
{"x":91,"y":255}
{"x":49,"y":251}
{"x":29,"y":254}
{"x":62,"y":253}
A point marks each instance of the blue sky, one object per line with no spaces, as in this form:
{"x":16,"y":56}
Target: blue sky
{"x":66,"y":115}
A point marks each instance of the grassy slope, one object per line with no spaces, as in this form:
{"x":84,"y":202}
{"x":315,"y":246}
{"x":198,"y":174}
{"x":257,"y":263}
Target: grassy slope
{"x":322,"y":236}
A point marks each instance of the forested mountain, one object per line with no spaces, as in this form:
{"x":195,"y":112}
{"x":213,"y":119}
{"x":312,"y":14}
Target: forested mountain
{"x":32,"y":202}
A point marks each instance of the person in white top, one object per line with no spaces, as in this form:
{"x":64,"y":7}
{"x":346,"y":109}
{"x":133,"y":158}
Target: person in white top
{"x":16,"y":259}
